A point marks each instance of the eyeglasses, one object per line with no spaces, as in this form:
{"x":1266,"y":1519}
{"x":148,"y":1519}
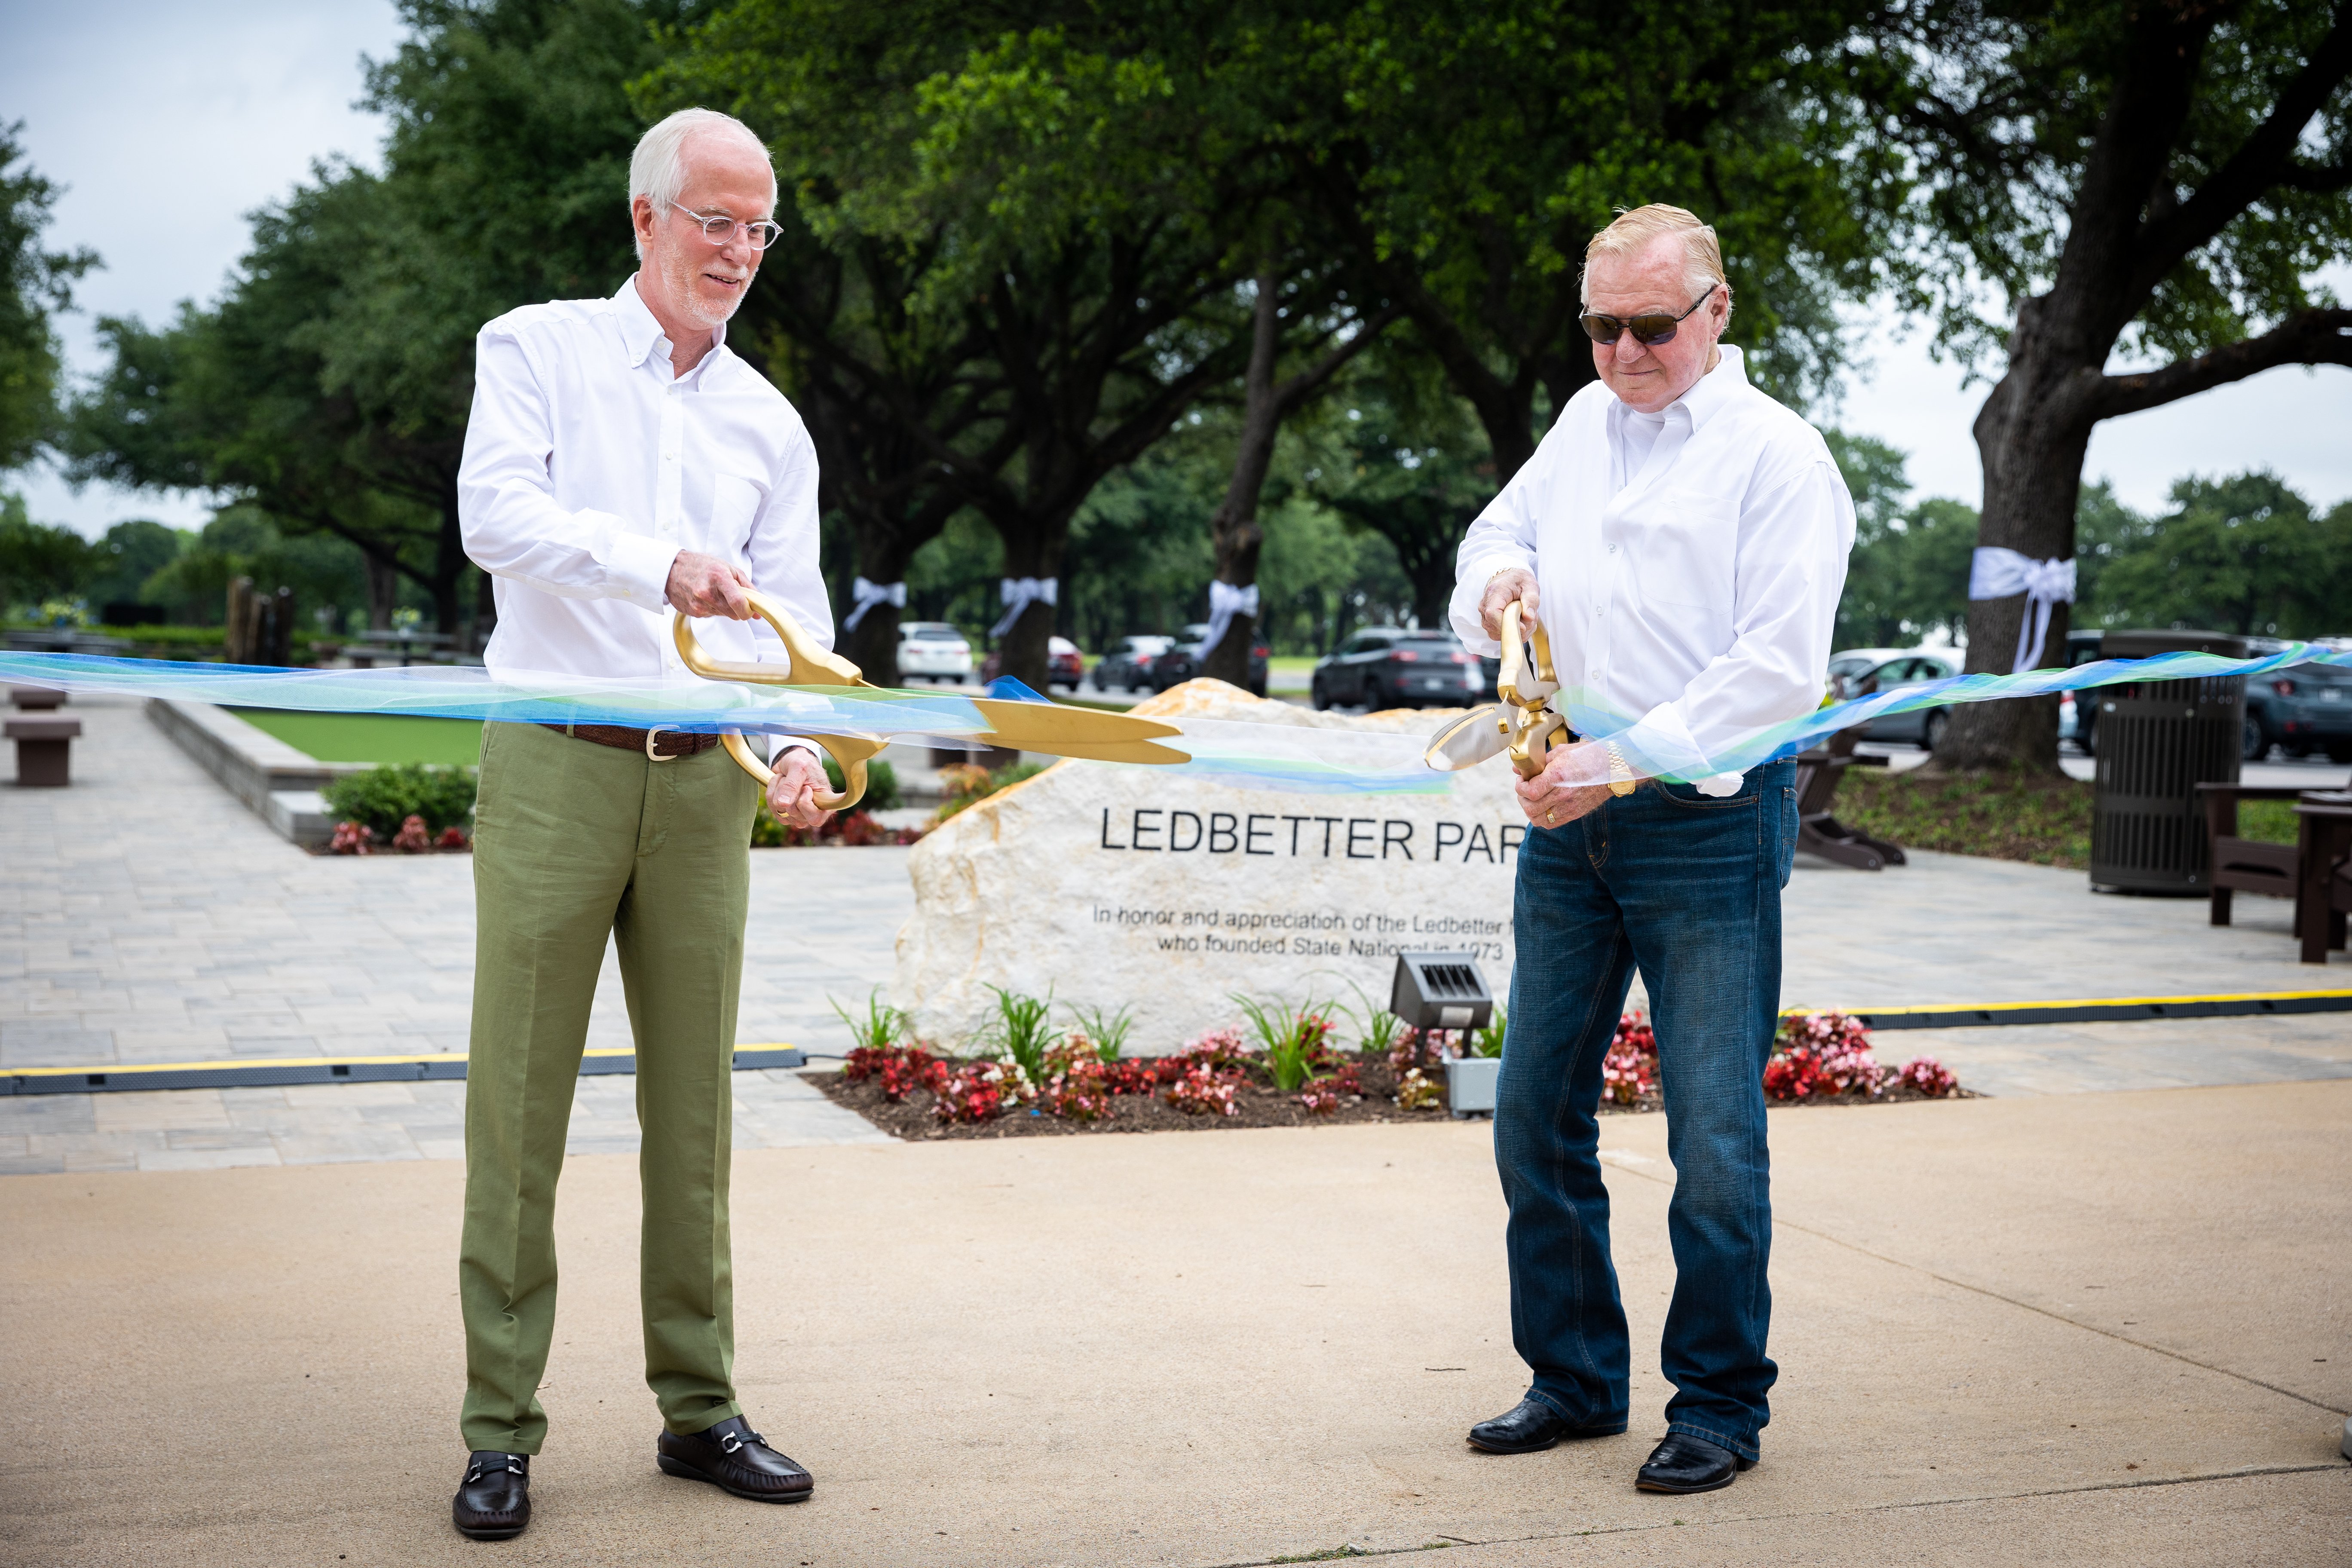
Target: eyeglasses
{"x":1650,"y":330}
{"x":719,"y":230}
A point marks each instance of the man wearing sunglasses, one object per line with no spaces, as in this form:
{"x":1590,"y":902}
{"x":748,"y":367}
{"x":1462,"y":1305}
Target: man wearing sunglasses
{"x":623,"y":468}
{"x":1681,"y":539}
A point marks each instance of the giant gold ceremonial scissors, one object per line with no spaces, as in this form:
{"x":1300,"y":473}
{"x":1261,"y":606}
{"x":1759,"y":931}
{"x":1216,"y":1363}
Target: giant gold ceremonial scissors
{"x":1524,"y":723}
{"x":1048,"y":727}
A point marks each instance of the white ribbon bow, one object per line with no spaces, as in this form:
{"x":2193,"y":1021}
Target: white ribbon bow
{"x":1995,"y":574}
{"x":1018,"y":593}
{"x":870,"y":595}
{"x":1225,"y":602}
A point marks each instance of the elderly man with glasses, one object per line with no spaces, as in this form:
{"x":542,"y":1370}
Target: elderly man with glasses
{"x":622,"y":467}
{"x":1681,"y":538}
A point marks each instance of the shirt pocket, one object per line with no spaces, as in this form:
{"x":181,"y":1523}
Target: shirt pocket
{"x":735,"y":504}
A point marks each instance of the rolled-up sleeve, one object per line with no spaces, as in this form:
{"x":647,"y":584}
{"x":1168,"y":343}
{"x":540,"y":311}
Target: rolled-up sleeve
{"x":507,"y":515}
{"x":1790,"y":570}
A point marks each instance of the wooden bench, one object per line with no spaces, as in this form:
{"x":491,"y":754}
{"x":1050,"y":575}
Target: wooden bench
{"x":2324,"y":868}
{"x":2312,"y":872}
{"x":42,"y":750}
{"x":1820,"y":833}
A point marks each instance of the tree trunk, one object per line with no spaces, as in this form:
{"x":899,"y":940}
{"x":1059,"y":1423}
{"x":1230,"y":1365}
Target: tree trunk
{"x":2032,"y":436}
{"x":1233,"y":528}
{"x":383,"y":591}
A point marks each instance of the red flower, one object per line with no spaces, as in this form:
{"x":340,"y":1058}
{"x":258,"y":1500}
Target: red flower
{"x":1929,"y":1077}
{"x":412,"y":838}
{"x":352,"y":838}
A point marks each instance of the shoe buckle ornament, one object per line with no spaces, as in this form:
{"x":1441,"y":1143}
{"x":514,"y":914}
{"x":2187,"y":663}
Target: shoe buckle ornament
{"x":1048,"y":727}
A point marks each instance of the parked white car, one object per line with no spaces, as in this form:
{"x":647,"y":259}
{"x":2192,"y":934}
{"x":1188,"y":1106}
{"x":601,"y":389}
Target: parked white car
{"x":933,"y":650}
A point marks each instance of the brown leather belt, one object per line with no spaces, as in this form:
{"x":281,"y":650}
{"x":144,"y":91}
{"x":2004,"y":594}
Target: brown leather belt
{"x":661,"y":745}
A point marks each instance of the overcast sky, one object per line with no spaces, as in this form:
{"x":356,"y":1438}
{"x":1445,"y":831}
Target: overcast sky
{"x":168,"y":122}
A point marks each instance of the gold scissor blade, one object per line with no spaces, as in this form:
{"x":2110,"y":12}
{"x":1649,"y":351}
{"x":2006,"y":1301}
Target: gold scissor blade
{"x":1059,"y":731}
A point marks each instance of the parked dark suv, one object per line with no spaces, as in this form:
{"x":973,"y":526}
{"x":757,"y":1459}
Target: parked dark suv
{"x":1182,"y":662}
{"x":1389,"y":667}
{"x":2304,"y":708}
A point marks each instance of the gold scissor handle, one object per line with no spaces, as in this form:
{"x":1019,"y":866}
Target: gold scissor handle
{"x":808,"y":665}
{"x":1525,"y":715}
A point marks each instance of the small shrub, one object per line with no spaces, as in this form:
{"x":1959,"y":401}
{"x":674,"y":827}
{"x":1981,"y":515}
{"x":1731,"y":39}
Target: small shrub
{"x":1376,"y":1027}
{"x":454,"y":838}
{"x":1202,"y":1091}
{"x":1320,"y":1098}
{"x":1019,"y":1034}
{"x":352,"y":838}
{"x":412,"y":838}
{"x":1929,"y":1076}
{"x":879,"y":1026}
{"x":1416,"y":1092}
{"x":1823,"y":1054}
{"x":1077,"y":1083}
{"x":1488,"y":1041}
{"x":1108,"y":1031}
{"x":1290,"y":1040}
{"x":1630,"y":1070}
{"x":977,"y":1091}
{"x":382,"y":799}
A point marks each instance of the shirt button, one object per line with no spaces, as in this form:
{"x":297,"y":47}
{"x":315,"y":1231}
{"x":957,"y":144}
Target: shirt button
{"x":1612,"y":550}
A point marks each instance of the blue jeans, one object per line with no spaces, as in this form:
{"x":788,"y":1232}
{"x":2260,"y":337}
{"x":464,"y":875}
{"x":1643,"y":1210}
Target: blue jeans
{"x":1686,"y":889}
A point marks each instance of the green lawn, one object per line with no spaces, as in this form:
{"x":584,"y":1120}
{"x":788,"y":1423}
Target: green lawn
{"x":371,"y":737}
{"x":2011,"y":816}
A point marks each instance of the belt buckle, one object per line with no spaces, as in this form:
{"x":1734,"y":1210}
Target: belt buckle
{"x":653,"y":756}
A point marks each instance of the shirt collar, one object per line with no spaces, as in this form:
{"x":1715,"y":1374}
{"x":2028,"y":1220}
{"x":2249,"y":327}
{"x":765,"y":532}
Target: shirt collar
{"x":1716,"y":390}
{"x":1707,"y":396}
{"x":642,"y":335}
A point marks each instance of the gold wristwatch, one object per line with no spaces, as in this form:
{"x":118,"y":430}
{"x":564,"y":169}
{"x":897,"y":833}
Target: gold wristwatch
{"x":1621,"y":773}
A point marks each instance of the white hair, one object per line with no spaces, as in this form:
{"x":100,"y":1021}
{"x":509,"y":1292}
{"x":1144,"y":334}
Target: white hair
{"x":658,"y":168}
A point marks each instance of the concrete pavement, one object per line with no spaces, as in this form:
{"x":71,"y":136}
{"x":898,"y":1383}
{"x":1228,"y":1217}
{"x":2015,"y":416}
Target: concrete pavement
{"x":2081,"y":1329}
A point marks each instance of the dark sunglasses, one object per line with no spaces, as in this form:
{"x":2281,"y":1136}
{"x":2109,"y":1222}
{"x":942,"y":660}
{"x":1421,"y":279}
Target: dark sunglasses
{"x":1651,"y":330}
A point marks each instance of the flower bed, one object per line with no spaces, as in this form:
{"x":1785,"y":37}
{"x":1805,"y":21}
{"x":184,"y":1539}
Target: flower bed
{"x":1028,"y":1080}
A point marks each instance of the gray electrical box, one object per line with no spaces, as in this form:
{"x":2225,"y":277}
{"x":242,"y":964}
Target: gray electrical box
{"x":1441,"y":991}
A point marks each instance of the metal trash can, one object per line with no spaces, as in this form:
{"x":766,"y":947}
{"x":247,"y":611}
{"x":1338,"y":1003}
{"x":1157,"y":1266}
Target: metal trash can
{"x":2158,"y":740}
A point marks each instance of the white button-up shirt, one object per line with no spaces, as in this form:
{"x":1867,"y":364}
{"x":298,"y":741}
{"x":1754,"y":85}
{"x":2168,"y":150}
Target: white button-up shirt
{"x":589,"y":465}
{"x":1689,"y":561}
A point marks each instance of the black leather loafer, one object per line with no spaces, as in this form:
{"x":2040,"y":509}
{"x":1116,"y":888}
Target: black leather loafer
{"x":493,"y":1502}
{"x":1530,"y":1427}
{"x":734,"y":1458}
{"x":1686,"y":1464}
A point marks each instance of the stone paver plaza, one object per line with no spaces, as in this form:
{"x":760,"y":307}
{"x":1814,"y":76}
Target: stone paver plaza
{"x":147,"y":917}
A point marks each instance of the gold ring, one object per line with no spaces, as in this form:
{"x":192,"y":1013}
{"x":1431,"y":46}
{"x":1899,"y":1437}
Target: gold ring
{"x":1551,"y":816}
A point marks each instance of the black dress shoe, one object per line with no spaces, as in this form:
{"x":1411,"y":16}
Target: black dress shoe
{"x":1686,"y":1464}
{"x":1530,"y":1426}
{"x":733,"y":1457}
{"x":493,"y":1502}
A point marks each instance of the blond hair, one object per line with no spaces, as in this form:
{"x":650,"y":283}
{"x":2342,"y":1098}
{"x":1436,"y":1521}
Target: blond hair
{"x":1634,"y":230}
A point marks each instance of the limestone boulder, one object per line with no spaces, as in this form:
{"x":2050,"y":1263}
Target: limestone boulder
{"x":1166,"y":892}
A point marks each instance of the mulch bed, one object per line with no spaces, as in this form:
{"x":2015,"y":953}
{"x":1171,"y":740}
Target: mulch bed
{"x":1260,"y":1106}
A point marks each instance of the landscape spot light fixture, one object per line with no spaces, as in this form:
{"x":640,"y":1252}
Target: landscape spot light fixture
{"x":1441,"y":991}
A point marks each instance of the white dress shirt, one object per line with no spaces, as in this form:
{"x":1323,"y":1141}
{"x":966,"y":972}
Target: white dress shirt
{"x":589,"y":465}
{"x":1689,"y":562}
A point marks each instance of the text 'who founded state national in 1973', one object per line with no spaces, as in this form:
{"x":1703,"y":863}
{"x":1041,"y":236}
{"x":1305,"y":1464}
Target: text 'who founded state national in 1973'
{"x":1683,"y":539}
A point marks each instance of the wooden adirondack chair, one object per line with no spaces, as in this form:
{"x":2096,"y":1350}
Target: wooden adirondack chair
{"x":1819,"y":832}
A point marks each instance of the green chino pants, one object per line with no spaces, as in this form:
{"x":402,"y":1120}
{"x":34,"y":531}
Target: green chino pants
{"x":573,"y":842}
